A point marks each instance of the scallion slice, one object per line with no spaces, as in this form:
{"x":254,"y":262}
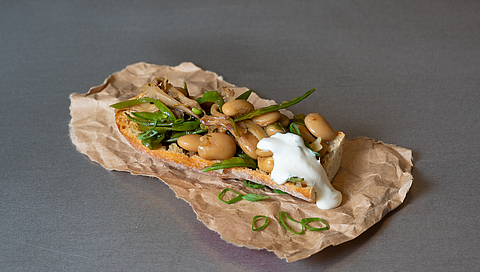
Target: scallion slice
{"x":264,"y":224}
{"x":305,"y":222}
{"x":254,"y":197}
{"x":233,"y":200}
{"x":253,"y":184}
{"x":289,"y":218}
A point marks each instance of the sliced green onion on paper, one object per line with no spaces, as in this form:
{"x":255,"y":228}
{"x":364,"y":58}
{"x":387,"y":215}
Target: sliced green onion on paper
{"x":233,"y":200}
{"x":284,"y":222}
{"x":264,"y":224}
{"x":305,"y":222}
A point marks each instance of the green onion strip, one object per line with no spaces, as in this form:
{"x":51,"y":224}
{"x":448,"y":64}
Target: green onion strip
{"x":233,"y":200}
{"x":150,"y":133}
{"x":249,"y":197}
{"x":305,"y":222}
{"x":264,"y":224}
{"x":271,"y":108}
{"x":165,"y":110}
{"x":232,"y":162}
{"x":295,"y":130}
{"x":289,"y":218}
{"x":253,"y":184}
{"x":132,"y":102}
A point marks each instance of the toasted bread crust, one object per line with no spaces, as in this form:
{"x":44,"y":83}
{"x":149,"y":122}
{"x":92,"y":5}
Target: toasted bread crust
{"x":177,"y":157}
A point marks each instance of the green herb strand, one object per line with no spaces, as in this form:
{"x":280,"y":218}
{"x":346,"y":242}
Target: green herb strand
{"x":149,"y":116}
{"x":186,"y":89}
{"x":165,"y":110}
{"x":271,"y":108}
{"x":133,"y":102}
{"x":185,"y":126}
{"x":150,"y":133}
{"x":234,"y":127}
{"x":264,"y":224}
{"x":145,"y":122}
{"x":294,"y":129}
{"x":177,"y":135}
{"x":245,"y":95}
{"x":254,"y":197}
{"x":253,"y":184}
{"x":154,"y":142}
{"x":232,"y":162}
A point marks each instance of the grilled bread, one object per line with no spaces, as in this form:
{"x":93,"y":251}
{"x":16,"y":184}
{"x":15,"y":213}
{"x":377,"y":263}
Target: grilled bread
{"x":174,"y":155}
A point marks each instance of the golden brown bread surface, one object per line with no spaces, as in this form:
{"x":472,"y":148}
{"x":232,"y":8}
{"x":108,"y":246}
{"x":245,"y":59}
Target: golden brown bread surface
{"x":177,"y":157}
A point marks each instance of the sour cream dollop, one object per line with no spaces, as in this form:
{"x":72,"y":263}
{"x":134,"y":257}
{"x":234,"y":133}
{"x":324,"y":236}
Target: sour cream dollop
{"x":293,"y":159}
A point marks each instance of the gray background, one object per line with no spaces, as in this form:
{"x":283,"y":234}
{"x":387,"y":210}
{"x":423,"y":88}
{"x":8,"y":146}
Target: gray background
{"x":403,"y":72}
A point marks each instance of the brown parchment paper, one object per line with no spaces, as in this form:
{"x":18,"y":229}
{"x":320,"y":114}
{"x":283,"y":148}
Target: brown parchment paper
{"x":374,"y":177}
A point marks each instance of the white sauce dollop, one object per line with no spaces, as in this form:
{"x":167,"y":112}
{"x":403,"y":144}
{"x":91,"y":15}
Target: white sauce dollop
{"x":293,"y":159}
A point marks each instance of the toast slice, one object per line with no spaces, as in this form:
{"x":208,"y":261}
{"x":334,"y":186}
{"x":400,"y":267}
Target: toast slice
{"x":180,"y":158}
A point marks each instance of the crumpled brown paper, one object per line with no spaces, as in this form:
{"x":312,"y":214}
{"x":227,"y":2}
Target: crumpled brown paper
{"x":374,"y":177}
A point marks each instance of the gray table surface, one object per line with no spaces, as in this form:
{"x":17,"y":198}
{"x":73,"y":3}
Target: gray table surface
{"x":402,"y":72}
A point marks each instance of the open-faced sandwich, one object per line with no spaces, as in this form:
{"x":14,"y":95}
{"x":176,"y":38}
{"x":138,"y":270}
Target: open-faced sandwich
{"x":221,"y":133}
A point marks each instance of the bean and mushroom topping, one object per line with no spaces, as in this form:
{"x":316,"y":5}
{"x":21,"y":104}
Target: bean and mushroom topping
{"x":218,"y":126}
{"x":216,"y":146}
